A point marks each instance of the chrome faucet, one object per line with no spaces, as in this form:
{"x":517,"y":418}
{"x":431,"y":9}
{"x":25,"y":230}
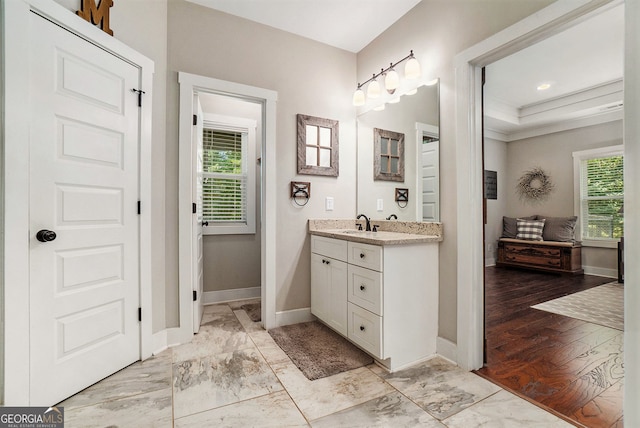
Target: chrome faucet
{"x":368,"y":227}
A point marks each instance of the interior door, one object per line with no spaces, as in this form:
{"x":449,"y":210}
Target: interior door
{"x":84,"y":227}
{"x":431,"y":181}
{"x":197,"y":222}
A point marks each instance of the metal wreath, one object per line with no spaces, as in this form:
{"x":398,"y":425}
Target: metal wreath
{"x":534,"y":185}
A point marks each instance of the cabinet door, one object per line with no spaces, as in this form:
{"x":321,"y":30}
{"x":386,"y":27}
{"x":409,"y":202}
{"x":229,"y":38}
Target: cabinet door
{"x":329,"y":291}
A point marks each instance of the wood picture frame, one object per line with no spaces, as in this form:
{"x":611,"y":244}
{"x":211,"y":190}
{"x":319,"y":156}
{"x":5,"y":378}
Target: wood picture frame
{"x":318,"y":146}
{"x":388,"y":155}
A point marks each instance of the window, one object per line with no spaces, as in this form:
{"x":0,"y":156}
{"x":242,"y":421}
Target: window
{"x":228,"y":177}
{"x":599,"y":184}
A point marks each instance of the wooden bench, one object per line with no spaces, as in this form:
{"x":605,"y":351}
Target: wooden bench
{"x":547,"y":256}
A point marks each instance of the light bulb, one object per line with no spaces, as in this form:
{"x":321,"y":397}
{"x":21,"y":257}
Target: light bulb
{"x":373,"y":90}
{"x":391,"y":81}
{"x":412,"y":69}
{"x":358,"y":97}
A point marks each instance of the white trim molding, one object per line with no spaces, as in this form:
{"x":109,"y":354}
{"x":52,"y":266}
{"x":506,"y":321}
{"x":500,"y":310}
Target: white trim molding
{"x":293,"y":316}
{"x":447,"y":349}
{"x":190,"y":84}
{"x":221,"y":296}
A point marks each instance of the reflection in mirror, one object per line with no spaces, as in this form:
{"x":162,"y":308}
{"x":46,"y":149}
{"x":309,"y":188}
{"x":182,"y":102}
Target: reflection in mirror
{"x":388,"y":160}
{"x":417,"y":117}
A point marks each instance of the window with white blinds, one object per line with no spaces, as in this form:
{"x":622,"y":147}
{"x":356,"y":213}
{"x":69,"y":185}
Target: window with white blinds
{"x":600,"y":181}
{"x":228,"y":192}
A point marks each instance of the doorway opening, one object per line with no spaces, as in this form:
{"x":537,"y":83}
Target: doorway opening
{"x":227,"y":243}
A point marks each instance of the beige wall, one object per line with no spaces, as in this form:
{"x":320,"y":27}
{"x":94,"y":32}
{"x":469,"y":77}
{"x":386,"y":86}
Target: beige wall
{"x":495,"y":159}
{"x":310,"y":78}
{"x":554,"y":153}
{"x":437,"y":31}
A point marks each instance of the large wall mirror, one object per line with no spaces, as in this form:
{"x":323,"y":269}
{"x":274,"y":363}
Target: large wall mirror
{"x":417,"y":117}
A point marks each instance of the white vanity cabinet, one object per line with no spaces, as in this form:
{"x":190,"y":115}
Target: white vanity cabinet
{"x":329,"y":282}
{"x":382,"y":298}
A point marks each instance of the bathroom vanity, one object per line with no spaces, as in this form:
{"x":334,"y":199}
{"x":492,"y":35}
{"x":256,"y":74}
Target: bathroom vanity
{"x":378,"y":289}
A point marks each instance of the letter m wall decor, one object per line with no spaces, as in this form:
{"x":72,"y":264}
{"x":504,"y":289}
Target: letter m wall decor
{"x":97,"y":15}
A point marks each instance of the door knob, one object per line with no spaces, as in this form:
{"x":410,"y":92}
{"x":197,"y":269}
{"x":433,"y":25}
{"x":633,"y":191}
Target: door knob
{"x":45,"y":235}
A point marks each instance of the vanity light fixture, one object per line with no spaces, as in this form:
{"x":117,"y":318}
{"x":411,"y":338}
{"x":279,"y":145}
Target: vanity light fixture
{"x":373,"y":90}
{"x":412,"y":70}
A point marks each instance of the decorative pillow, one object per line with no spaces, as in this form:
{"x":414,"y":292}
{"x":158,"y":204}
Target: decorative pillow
{"x":531,"y":230}
{"x":559,"y":228}
{"x":509,"y":227}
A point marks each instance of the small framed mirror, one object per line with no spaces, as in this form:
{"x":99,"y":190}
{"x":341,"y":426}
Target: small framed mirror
{"x":318,"y":146}
{"x":388,"y":159}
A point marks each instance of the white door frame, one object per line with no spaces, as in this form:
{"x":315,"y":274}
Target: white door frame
{"x":15,"y":247}
{"x":468,"y":136}
{"x":190,"y":84}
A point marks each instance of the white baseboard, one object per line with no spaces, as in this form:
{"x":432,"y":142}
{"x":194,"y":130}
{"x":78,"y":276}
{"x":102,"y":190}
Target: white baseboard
{"x":211,"y":297}
{"x":489,"y":262}
{"x":598,"y":271}
{"x":159,"y":341}
{"x":294,"y":316}
{"x":447,"y":349}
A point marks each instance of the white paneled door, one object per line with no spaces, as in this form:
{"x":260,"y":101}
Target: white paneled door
{"x":84,"y":223}
{"x":197,"y":220}
{"x":431,"y":181}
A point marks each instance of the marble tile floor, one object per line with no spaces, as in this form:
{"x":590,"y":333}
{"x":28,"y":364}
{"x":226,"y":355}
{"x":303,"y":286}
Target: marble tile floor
{"x":232,"y":374}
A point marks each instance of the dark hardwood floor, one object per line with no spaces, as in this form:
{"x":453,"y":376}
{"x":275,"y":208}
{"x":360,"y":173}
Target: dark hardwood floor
{"x":571,"y":367}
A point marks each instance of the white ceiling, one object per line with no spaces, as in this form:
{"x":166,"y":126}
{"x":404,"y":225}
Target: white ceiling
{"x":583,"y":65}
{"x":346,"y":24}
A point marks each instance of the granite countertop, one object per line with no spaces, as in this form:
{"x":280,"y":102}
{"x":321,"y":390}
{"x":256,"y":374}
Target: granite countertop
{"x":389,"y":232}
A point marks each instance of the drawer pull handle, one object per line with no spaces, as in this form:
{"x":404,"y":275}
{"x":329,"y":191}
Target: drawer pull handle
{"x":325,"y":261}
{"x":361,"y":328}
{"x":362,"y":255}
{"x":362,"y":287}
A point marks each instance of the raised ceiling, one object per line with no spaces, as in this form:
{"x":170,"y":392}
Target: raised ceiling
{"x":347,"y":24}
{"x":583,"y":66}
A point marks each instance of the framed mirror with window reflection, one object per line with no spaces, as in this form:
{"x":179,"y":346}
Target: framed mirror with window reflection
{"x":417,"y":118}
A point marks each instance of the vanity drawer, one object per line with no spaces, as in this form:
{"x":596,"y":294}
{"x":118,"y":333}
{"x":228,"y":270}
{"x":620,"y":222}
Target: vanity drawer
{"x":334,"y":248}
{"x":365,"y":288}
{"x":365,"y":329}
{"x":365,"y":255}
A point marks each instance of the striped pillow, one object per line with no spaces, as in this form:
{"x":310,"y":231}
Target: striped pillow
{"x":531,"y":230}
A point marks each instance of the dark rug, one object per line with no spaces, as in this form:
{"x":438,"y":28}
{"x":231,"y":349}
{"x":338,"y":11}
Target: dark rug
{"x":317,"y":350}
{"x":253,"y":310}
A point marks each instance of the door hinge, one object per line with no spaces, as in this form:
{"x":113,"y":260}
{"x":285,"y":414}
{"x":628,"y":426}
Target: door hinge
{"x":195,"y":119}
{"x":140,"y":314}
{"x":139,"y":209}
{"x":139,"y":92}
{"x":194,"y":208}
{"x":195,"y":295}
